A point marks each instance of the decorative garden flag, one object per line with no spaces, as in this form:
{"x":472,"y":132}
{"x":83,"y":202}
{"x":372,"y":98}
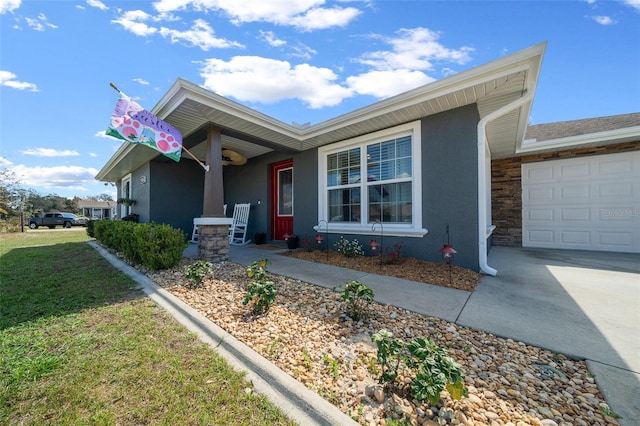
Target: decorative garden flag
{"x":132,"y":123}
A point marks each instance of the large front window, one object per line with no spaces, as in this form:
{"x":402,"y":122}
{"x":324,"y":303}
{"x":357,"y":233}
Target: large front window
{"x":373,"y":178}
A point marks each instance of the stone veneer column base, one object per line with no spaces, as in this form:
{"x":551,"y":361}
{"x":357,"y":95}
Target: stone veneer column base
{"x":213,"y":238}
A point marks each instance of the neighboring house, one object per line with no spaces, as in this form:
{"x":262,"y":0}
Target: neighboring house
{"x":97,"y":209}
{"x":571,"y":185}
{"x":418,"y":163}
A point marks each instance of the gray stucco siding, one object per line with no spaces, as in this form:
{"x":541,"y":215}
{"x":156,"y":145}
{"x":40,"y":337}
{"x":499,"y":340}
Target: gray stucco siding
{"x":449,"y":190}
{"x":450,"y":184}
{"x":175,"y":194}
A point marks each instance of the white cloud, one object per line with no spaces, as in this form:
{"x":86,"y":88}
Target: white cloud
{"x":97,"y":4}
{"x":320,"y":18}
{"x":270,"y":38}
{"x":141,"y":81}
{"x":416,"y":48}
{"x":302,"y":51}
{"x":40,"y":23}
{"x":604,"y":20}
{"x":9,"y":5}
{"x":8,"y":79}
{"x":201,"y":35}
{"x":272,"y":81}
{"x":304,"y":14}
{"x":50,"y":152}
{"x":633,"y":3}
{"x":93,"y":155}
{"x":62,"y":177}
{"x":5,"y":163}
{"x":383,"y":84}
{"x":446,"y":71}
{"x":134,"y":21}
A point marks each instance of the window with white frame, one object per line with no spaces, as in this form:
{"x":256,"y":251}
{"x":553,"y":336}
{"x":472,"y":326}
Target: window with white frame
{"x":370,"y":179}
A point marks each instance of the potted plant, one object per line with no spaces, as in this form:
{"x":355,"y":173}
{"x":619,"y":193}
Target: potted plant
{"x":126,"y":201}
{"x":292,"y":241}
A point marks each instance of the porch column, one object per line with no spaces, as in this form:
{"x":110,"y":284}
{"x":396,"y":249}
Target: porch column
{"x":213,"y":187}
{"x":213,"y":226}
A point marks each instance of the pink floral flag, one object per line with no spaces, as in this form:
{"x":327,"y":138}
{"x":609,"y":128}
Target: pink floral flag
{"x":132,"y":123}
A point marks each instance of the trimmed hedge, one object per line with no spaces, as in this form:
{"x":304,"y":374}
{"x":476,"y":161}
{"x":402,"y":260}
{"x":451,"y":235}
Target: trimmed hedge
{"x":152,"y":245}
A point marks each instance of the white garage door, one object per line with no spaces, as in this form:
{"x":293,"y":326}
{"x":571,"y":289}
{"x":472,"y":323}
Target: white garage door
{"x":586,"y":203}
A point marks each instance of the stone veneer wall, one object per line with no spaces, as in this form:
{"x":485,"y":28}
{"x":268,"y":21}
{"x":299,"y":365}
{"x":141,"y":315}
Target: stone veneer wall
{"x":213,"y":243}
{"x":506,"y":188}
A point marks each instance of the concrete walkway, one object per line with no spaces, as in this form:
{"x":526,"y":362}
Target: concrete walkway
{"x":582,"y":304}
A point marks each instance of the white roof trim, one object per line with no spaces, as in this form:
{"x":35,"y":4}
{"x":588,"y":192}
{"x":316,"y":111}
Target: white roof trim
{"x":600,"y":138}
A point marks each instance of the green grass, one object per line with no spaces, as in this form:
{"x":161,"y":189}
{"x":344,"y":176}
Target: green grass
{"x":79,"y":346}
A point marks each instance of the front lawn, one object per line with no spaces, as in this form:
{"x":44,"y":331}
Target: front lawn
{"x":79,"y":346}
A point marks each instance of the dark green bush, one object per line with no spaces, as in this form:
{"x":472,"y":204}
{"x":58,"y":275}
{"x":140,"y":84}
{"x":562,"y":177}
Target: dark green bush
{"x":90,"y":228}
{"x":152,"y":245}
{"x":159,"y":246}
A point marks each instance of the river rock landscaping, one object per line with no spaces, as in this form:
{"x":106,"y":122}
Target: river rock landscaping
{"x":307,"y":334}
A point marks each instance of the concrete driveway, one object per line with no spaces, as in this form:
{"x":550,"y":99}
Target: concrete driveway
{"x":585,"y":304}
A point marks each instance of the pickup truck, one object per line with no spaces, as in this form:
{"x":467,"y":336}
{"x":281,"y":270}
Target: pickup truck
{"x":66,"y":220}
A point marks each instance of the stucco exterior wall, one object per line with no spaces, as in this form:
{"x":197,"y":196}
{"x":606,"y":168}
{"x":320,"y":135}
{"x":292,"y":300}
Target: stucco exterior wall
{"x":506,"y":188}
{"x":449,"y":190}
{"x":450,"y":185}
{"x":175,"y":194}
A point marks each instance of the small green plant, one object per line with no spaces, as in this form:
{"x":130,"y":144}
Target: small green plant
{"x":397,"y":422}
{"x":260,"y":292}
{"x":274,"y":349}
{"x":389,"y":354}
{"x":349,"y":248}
{"x":306,"y":358}
{"x":333,"y":364}
{"x":606,"y":411}
{"x":434,"y":370}
{"x":196,"y":271}
{"x":357,"y":296}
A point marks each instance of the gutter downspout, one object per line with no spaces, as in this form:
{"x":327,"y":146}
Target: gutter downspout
{"x":482,"y":180}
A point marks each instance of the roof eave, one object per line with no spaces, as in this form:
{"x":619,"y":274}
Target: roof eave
{"x":627,"y":134}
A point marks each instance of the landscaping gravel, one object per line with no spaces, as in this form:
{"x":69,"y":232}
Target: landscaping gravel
{"x":307,"y":334}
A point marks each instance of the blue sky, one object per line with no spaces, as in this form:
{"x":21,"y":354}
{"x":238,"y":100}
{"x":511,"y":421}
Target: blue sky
{"x":295,"y":60}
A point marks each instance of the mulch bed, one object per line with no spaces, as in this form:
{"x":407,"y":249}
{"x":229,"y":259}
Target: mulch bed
{"x":407,"y":268}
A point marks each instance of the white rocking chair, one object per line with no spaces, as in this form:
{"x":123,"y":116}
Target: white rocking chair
{"x":238,"y":229}
{"x":194,"y":234}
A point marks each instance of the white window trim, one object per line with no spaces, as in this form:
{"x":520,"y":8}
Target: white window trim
{"x":125,"y":210}
{"x":414,"y":229}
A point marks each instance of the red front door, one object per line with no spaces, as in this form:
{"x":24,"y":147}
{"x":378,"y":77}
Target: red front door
{"x":281,"y":199}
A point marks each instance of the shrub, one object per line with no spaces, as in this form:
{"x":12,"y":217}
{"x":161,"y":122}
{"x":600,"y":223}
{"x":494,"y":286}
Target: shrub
{"x":196,"y":271}
{"x":357,"y":296}
{"x":393,"y":255}
{"x":90,"y":228}
{"x":152,"y":245}
{"x":434,"y":371}
{"x":260,"y":292}
{"x":349,"y":248}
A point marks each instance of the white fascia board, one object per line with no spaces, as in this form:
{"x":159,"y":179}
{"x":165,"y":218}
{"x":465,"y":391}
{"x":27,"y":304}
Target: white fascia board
{"x":599,"y":138}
